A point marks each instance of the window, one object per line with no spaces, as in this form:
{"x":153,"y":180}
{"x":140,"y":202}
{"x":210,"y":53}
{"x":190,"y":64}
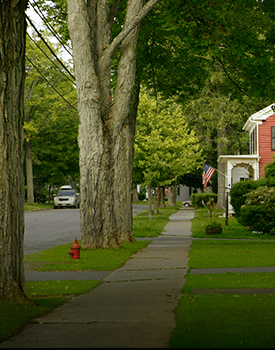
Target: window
{"x":273,"y":138}
{"x":253,"y":141}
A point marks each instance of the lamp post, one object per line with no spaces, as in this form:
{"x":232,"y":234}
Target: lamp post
{"x":226,"y":204}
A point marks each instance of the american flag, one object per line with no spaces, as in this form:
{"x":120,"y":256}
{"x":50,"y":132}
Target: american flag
{"x":208,"y":171}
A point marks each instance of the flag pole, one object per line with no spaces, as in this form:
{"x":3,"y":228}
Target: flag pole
{"x":221,"y":173}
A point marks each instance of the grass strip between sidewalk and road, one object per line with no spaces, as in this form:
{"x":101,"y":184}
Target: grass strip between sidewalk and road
{"x":48,"y":295}
{"x":57,"y":258}
{"x":226,"y":320}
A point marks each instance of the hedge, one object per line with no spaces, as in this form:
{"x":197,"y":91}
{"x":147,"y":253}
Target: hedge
{"x":199,"y":198}
{"x":241,"y":189}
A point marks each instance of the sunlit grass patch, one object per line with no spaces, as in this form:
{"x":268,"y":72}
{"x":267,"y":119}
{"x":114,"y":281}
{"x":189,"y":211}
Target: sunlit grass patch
{"x":57,"y":258}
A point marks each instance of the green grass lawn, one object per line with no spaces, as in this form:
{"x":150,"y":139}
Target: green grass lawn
{"x":232,"y":230}
{"x":225,"y":253}
{"x":37,"y":206}
{"x":57,"y":258}
{"x":59,"y":288}
{"x":226,"y":321}
{"x":229,"y":280}
{"x":15,"y":316}
{"x":46,"y":295}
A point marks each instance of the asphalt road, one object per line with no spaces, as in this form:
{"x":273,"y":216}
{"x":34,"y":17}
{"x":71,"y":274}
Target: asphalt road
{"x":46,"y":229}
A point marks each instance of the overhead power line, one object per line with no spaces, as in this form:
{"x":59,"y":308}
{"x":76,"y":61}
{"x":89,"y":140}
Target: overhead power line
{"x":50,"y":27}
{"x":50,"y":84}
{"x":48,"y":46}
{"x":72,"y":81}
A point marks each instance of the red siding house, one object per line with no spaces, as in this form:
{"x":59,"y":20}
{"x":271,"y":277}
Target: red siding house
{"x":261,"y":129}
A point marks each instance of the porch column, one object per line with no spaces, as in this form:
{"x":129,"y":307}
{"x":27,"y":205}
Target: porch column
{"x":229,"y":174}
{"x":229,"y":184}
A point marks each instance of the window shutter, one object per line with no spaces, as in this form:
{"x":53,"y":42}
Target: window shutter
{"x":273,"y":138}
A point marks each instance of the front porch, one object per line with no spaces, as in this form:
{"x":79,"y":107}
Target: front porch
{"x":239,"y":168}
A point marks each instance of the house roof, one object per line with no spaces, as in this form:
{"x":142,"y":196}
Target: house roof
{"x":258,"y":117}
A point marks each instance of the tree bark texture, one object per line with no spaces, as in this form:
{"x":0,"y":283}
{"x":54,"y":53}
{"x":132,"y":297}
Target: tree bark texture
{"x":12,"y":69}
{"x":123,"y":179}
{"x":135,"y":195}
{"x":29,"y":173}
{"x":162,"y":202}
{"x":172,"y":196}
{"x":106,"y":131}
{"x":150,"y":202}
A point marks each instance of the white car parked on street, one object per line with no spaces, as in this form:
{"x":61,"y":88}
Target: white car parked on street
{"x":67,"y":198}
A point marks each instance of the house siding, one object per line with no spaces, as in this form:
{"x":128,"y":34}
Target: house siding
{"x":265,"y":152}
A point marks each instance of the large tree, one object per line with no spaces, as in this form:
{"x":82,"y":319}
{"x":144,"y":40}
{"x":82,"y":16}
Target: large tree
{"x":103,"y":113}
{"x":12,"y":69}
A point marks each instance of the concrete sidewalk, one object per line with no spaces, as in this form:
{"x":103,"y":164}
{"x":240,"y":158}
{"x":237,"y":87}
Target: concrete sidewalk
{"x":132,"y":309}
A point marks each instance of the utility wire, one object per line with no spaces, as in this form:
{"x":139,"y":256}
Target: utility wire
{"x":72,"y":81}
{"x":53,"y":31}
{"x":48,"y":46}
{"x":51,"y":84}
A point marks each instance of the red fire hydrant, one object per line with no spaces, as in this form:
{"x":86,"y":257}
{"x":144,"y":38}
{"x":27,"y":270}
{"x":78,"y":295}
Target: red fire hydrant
{"x":75,"y":250}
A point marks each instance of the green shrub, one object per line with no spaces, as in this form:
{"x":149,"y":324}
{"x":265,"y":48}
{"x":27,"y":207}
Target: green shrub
{"x":238,"y":194}
{"x":200,"y":199}
{"x":141,"y":196}
{"x":258,"y":212}
{"x":213,"y":224}
{"x":241,"y":189}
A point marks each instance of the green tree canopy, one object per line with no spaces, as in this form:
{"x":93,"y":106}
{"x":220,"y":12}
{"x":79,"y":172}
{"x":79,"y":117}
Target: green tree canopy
{"x":165,"y":147}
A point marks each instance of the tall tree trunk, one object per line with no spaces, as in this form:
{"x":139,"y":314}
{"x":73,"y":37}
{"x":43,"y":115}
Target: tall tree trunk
{"x":103,"y":128}
{"x":49,"y":194}
{"x":149,"y":189}
{"x":30,"y":192}
{"x":123,"y":179}
{"x":155,"y":201}
{"x":12,"y":69}
{"x":172,"y":196}
{"x":162,"y":203}
{"x":135,"y":195}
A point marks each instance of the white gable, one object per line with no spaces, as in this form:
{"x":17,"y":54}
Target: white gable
{"x":258,"y":118}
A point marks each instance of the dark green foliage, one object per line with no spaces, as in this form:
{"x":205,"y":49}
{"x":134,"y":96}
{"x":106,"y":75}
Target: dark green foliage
{"x":241,"y":189}
{"x":259,"y":217}
{"x":200,"y":199}
{"x":213,"y":224}
{"x":258,"y":211}
{"x":270,"y":169}
{"x":238,"y":192}
{"x":141,"y":196}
